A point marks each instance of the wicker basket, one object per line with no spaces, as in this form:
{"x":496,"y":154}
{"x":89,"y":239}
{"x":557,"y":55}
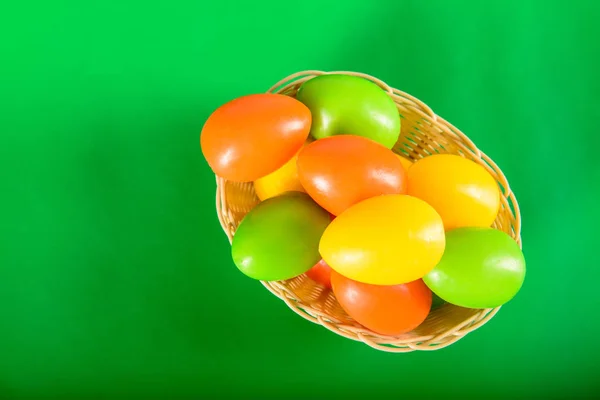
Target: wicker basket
{"x":423,"y":133}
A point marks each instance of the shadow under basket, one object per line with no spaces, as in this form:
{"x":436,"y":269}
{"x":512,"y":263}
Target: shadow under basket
{"x":423,"y":133}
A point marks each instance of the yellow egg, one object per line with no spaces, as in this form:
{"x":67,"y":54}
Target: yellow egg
{"x":406,"y":163}
{"x":384,"y":240}
{"x":461,"y":191}
{"x":282,"y":180}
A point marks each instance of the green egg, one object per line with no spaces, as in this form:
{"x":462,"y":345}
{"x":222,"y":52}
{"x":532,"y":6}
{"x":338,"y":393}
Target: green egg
{"x":279,"y":238}
{"x":350,"y":105}
{"x":480,"y":268}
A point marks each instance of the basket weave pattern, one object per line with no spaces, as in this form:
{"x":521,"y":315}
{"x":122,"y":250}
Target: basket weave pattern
{"x":423,"y":133}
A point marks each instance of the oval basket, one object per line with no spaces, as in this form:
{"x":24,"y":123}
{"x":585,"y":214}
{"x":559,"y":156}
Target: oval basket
{"x":423,"y":133}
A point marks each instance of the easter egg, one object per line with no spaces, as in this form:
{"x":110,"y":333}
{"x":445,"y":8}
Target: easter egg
{"x":480,"y":268}
{"x":282,"y":180}
{"x":343,"y":104}
{"x":342,"y":170}
{"x":406,"y":163}
{"x":320,"y":273}
{"x":279,"y":238}
{"x":387,"y":310}
{"x":385,"y":240}
{"x":460,"y":190}
{"x":252,"y":136}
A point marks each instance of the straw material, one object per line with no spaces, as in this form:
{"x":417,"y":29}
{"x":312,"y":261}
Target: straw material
{"x":423,"y":133}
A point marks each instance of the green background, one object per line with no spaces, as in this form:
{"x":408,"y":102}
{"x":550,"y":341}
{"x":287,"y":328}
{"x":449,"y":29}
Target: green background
{"x":115,"y":277}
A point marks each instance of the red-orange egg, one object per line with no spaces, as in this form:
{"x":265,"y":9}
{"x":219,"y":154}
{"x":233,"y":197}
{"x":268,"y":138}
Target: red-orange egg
{"x":387,"y":310}
{"x":320,"y":273}
{"x":252,"y":136}
{"x":340,"y":171}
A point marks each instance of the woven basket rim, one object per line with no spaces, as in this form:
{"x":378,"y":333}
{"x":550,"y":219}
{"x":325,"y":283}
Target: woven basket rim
{"x":466,"y":148}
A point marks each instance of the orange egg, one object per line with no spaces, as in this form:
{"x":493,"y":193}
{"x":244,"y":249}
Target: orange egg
{"x":342,"y":170}
{"x":387,"y":310}
{"x":320,"y":273}
{"x":252,"y":136}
